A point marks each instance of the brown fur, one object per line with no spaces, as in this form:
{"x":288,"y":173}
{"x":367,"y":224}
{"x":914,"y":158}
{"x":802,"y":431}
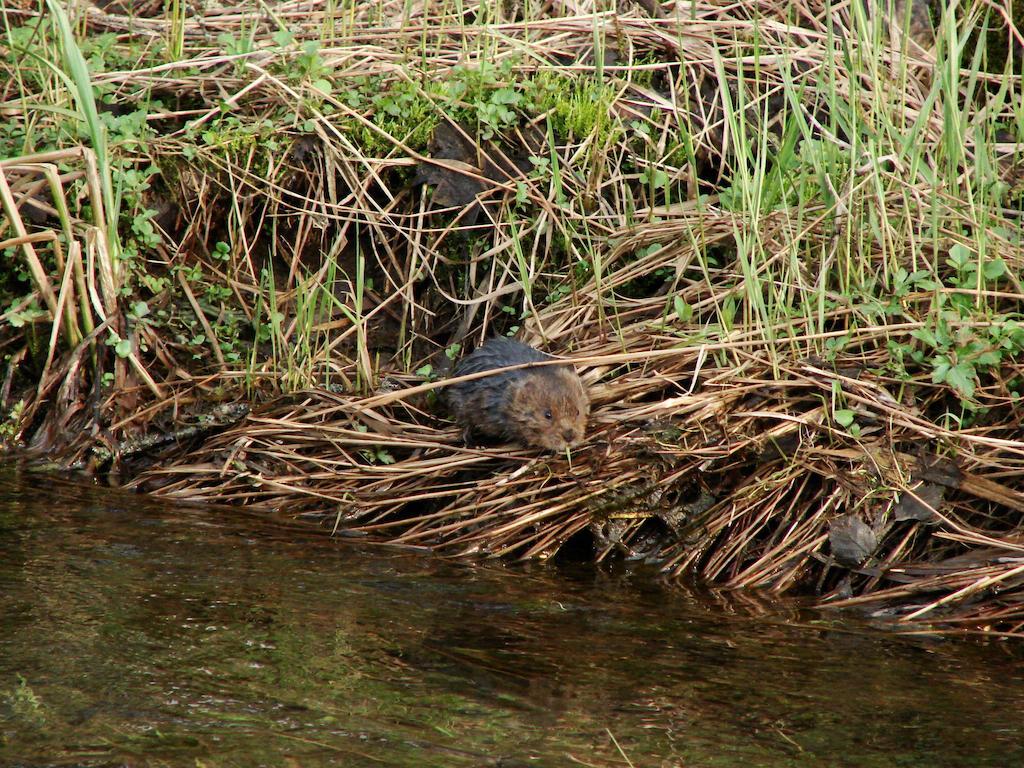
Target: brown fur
{"x":515,"y":405}
{"x":533,"y":395}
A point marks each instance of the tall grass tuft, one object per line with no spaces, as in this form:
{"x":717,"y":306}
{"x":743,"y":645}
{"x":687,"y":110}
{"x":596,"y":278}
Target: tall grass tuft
{"x":79,"y":83}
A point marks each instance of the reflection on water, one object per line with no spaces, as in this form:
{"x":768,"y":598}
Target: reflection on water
{"x":145,"y":634}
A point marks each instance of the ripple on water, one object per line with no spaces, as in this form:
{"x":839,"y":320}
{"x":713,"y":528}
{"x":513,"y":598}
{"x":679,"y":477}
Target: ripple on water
{"x":143,"y":632}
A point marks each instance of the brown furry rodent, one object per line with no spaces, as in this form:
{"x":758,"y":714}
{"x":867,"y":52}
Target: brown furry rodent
{"x":546,"y":407}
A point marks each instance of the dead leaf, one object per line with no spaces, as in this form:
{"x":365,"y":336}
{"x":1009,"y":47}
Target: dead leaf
{"x":919,"y":504}
{"x":939,"y":470}
{"x":852,"y":540}
{"x":464,"y":170}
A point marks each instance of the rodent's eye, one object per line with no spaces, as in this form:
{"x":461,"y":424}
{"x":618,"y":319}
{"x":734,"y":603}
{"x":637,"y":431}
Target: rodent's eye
{"x":548,"y":416}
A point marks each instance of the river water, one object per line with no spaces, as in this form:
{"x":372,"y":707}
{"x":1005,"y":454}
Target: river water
{"x":141,"y":633}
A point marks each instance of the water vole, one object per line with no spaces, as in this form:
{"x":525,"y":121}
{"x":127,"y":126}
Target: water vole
{"x":546,"y":407}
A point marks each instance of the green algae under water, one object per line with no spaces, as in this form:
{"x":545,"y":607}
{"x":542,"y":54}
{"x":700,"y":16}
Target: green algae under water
{"x":139,"y":633}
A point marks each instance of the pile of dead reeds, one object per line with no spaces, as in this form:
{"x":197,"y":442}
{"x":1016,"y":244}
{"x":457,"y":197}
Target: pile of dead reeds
{"x":703,"y":458}
{"x":766,"y":359}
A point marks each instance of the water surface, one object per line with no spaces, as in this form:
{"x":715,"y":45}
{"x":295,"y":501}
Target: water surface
{"x":141,"y":633}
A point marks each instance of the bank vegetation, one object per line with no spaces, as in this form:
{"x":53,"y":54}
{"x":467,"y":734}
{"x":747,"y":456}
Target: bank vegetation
{"x":781,"y":242}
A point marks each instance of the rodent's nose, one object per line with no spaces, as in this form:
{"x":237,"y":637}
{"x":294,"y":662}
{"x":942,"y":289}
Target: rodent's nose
{"x":569,"y":435}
